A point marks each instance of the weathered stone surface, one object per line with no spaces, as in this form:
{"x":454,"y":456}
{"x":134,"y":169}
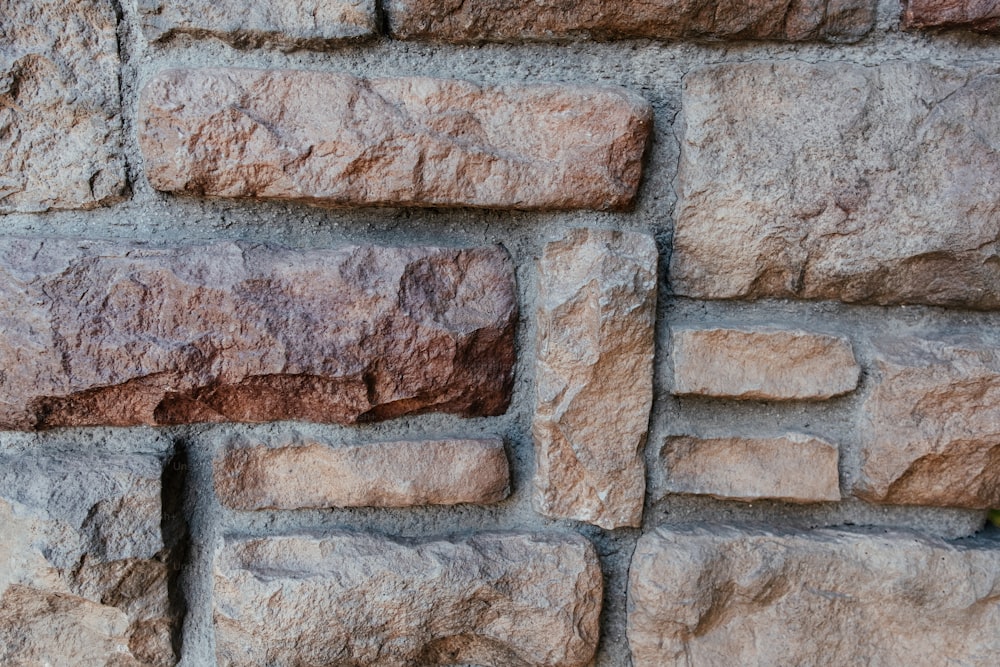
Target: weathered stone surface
{"x":555,"y":20}
{"x":60,"y":130}
{"x":795,"y":468}
{"x":99,"y":333}
{"x":335,"y":140}
{"x":384,"y":474}
{"x":930,"y":429}
{"x":492,"y":599}
{"x":596,"y":311}
{"x":765,"y":364}
{"x":980,"y":15}
{"x":723,"y":596}
{"x":840,"y":181}
{"x":83,"y":565}
{"x":291,"y":23}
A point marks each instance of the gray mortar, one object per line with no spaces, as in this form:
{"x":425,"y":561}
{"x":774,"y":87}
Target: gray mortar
{"x":652,"y":69}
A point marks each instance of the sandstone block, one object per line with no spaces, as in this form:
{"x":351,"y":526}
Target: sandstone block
{"x":795,"y":468}
{"x":385,"y":474}
{"x":492,"y":599}
{"x":83,"y":566}
{"x":596,"y":312}
{"x":979,"y":15}
{"x":930,"y":430}
{"x":763,"y":364}
{"x":335,"y":140}
{"x":60,"y":128}
{"x":557,"y":20}
{"x":838,"y":181}
{"x":289,"y":24}
{"x":723,"y":596}
{"x":100,"y":333}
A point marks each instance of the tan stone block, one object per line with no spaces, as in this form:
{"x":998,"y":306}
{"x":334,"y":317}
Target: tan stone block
{"x":762,"y":364}
{"x":60,"y":128}
{"x":596,"y":312}
{"x":336,"y":140}
{"x":930,"y":429}
{"x":252,"y":23}
{"x":795,"y":468}
{"x":491,"y":599}
{"x":383,"y":474}
{"x":725,"y":596}
{"x":839,"y":181}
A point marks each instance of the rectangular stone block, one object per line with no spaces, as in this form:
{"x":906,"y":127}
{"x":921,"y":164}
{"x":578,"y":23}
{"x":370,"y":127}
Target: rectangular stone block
{"x":83,"y":566}
{"x":979,"y":15}
{"x":559,"y":20}
{"x":98,"y":333}
{"x":383,"y":474}
{"x":762,"y":364}
{"x":794,"y":468}
{"x":839,"y":181}
{"x":596,"y":313}
{"x":930,"y":429}
{"x":250,"y":23}
{"x":60,"y":128}
{"x":725,"y":596}
{"x":530,"y":600}
{"x":336,"y":140}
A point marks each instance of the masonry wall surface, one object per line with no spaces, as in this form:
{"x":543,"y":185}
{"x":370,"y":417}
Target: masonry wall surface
{"x":196,"y":524}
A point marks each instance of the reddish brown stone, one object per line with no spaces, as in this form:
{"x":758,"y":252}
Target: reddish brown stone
{"x":383,"y":474}
{"x":979,"y":15}
{"x":553,"y":20}
{"x":99,"y":333}
{"x":336,"y":140}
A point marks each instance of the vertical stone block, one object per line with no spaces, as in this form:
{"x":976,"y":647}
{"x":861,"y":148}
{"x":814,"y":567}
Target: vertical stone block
{"x":596,"y":312}
{"x":60,"y":128}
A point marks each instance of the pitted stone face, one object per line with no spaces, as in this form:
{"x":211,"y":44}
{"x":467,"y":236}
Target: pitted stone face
{"x":109,"y":334}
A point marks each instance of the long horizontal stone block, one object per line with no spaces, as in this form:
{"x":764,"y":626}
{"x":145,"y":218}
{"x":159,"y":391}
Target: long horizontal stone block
{"x":84,"y":570}
{"x":248,"y":23}
{"x":839,"y":181}
{"x":60,"y":123}
{"x":762,"y":363}
{"x":725,"y":596}
{"x":596,"y":316}
{"x":978,"y":15}
{"x":558,"y":20}
{"x":98,"y":333}
{"x":336,"y":140}
{"x":930,"y":429}
{"x":384,"y":474}
{"x":530,"y":600}
{"x":795,"y":468}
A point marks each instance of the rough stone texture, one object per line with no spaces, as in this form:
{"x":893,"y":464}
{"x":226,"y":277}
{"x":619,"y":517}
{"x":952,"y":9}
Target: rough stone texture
{"x":336,"y":140}
{"x":795,"y":468}
{"x":493,"y":599}
{"x":766,"y":364}
{"x":930,"y":429}
{"x":596,"y":306}
{"x":98,"y":333}
{"x":385,"y":474}
{"x":723,"y":596}
{"x":83,"y":566}
{"x":980,"y":15}
{"x":555,"y":20}
{"x":290,"y":23}
{"x":60,"y":130}
{"x":839,"y":181}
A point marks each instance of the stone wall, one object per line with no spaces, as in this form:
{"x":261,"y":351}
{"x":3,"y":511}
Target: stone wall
{"x":426,"y":332}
